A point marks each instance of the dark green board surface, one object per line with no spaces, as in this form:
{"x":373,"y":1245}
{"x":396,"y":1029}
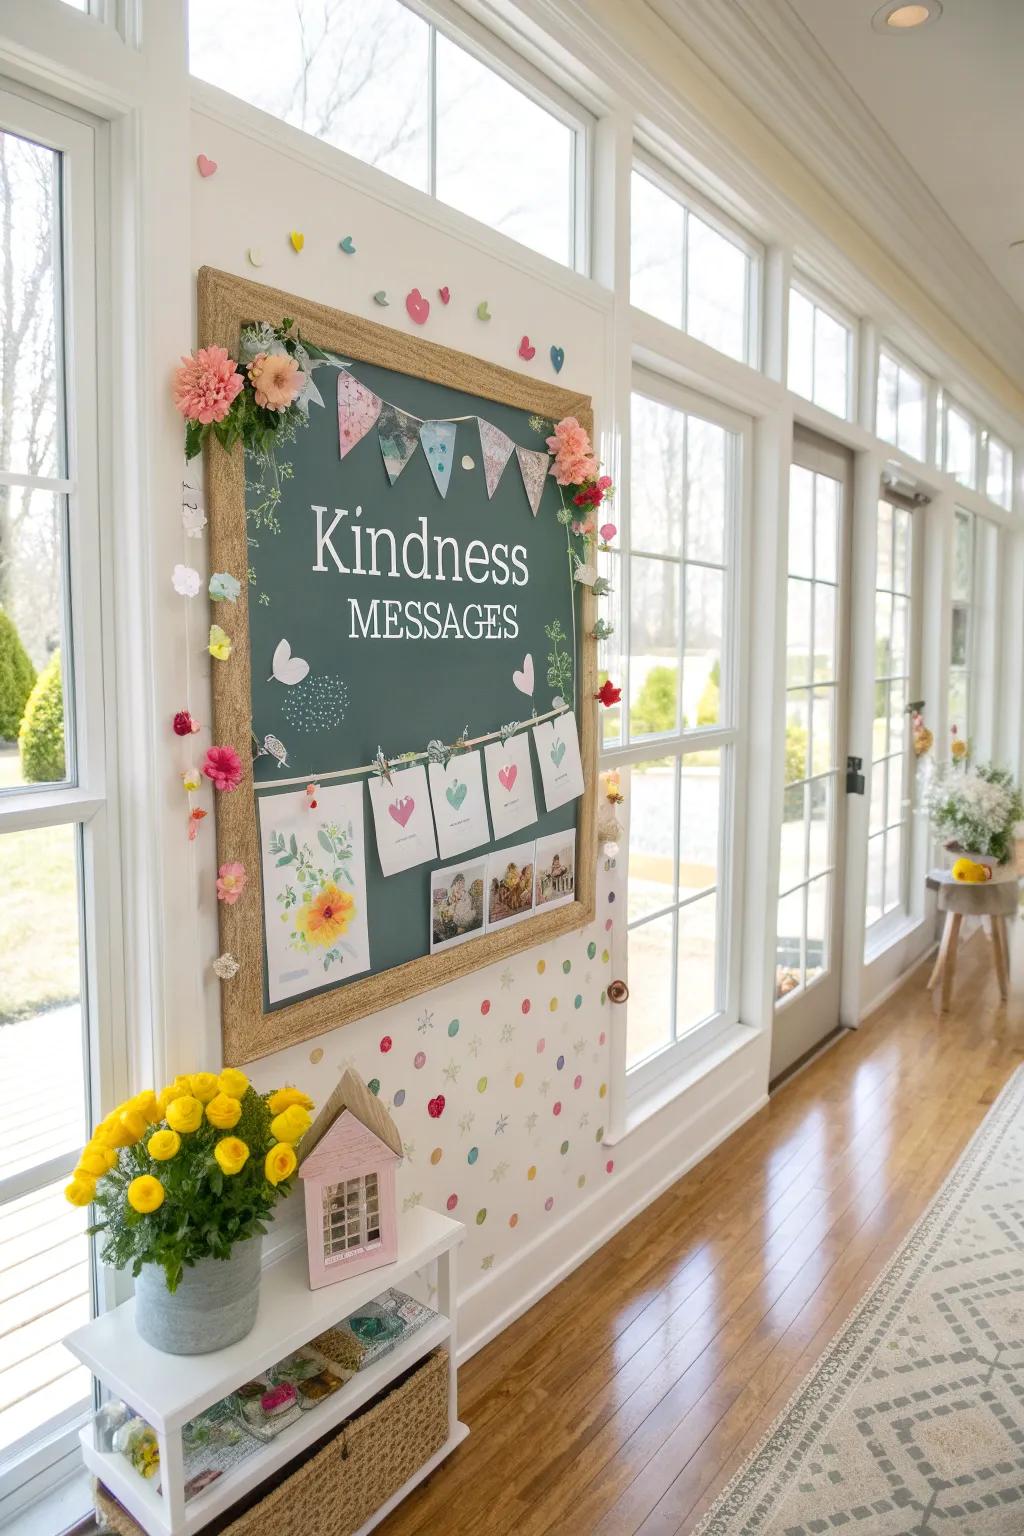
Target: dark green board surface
{"x":401,"y":692}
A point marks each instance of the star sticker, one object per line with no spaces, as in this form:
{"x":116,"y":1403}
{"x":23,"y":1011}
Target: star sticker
{"x":506,"y":979}
{"x":412,"y":1200}
{"x":507,"y":1031}
{"x":531,"y":1120}
{"x":498,"y":1172}
{"x":452,"y":1071}
{"x":584,"y":1120}
{"x":544,"y":1089}
{"x":466,"y":1121}
{"x":474,"y":1045}
{"x":425,"y":1021}
{"x":500,"y":1124}
{"x":579,"y":1045}
{"x":487,"y":1261}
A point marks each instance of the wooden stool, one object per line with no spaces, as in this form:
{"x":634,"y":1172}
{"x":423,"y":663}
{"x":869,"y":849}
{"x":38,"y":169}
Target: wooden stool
{"x":996,"y":900}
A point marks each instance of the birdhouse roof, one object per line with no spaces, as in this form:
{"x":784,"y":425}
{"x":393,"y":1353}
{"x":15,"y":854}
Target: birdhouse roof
{"x":352,"y":1094}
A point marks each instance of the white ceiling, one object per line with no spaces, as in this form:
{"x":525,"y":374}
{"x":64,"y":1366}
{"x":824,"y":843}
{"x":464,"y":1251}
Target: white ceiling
{"x":950,"y":97}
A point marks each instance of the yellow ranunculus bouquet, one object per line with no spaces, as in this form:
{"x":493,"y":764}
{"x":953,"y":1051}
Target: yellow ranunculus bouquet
{"x":186,"y":1174}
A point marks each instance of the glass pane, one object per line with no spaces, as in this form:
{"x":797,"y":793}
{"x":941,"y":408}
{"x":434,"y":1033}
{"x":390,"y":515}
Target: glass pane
{"x":960,"y":446}
{"x":490,"y":140}
{"x":823,"y":734}
{"x":702,"y":662}
{"x":910,"y":426}
{"x":789,"y":944}
{"x":999,"y":475}
{"x":699,"y":800}
{"x":657,"y":242}
{"x":893,"y":868}
{"x":831,"y":363}
{"x":706,"y":491}
{"x":888,"y":387}
{"x":876,"y":856}
{"x":879,"y":728}
{"x":654,"y":647}
{"x":649,"y":1025}
{"x":824,"y":633}
{"x":827,"y":502}
{"x":876,"y":814}
{"x":958,"y":701}
{"x":696,"y":980}
{"x":798,"y":632}
{"x":800,"y":362}
{"x":801,"y":521}
{"x":652,"y":787}
{"x":33,"y":736}
{"x":29,"y":288}
{"x":883,"y":634}
{"x":793,"y":843}
{"x":716,"y":289}
{"x":818,"y":893}
{"x":963,"y":555}
{"x":894,"y":769}
{"x":819,"y":845}
{"x":899,"y":659}
{"x":901,"y":528}
{"x":657,"y":476}
{"x":883,"y":547}
{"x":897,"y":716}
{"x":355,"y":76}
{"x":798,"y":721}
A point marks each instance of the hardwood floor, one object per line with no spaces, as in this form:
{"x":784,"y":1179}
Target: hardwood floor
{"x":624,"y":1400}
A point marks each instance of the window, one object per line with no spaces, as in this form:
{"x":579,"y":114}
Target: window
{"x":54,"y":807}
{"x":820,"y":363}
{"x":677,"y":732}
{"x":962,"y":627}
{"x":998,"y":472}
{"x":691,"y":269}
{"x":891,"y":761}
{"x":351,"y":1216}
{"x":959,"y":443}
{"x":379,"y":82}
{"x":901,"y":405}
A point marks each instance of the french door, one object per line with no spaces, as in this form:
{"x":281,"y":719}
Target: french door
{"x":812,"y":845}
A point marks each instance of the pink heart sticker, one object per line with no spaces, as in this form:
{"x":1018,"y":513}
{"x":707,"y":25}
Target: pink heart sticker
{"x":206,"y":165}
{"x":508,"y":776}
{"x":417,"y":306}
{"x":401,"y":810}
{"x":525,"y":350}
{"x":444,"y":294}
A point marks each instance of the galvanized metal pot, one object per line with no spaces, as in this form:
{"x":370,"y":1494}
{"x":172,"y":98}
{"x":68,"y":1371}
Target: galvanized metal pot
{"x":214,"y":1305}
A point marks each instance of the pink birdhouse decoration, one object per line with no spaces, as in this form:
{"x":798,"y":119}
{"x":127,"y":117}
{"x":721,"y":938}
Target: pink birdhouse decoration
{"x":347,"y":1170}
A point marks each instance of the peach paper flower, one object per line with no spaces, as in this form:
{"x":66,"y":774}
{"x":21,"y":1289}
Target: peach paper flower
{"x":574,"y":458}
{"x":231,"y":880}
{"x":276,"y":379}
{"x":205,"y":385}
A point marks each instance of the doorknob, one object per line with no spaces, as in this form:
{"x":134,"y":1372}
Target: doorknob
{"x":617,"y":991}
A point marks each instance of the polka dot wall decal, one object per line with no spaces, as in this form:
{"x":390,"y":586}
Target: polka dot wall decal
{"x":385,"y":1044}
{"x":609,"y":1165}
{"x":611,"y":897}
{"x":564,"y":1148}
{"x":560,"y":1063}
{"x":472,"y":1155}
{"x":540,"y":1046}
{"x":452,"y":1202}
{"x":481,"y":1216}
{"x":604,"y":957}
{"x":519,"y":1079}
{"x":566,"y":966}
{"x":485,"y":1006}
{"x":531,"y":1172}
{"x":549,"y":1202}
{"x":556,"y":1108}
{"x":577,"y":1001}
{"x":540,"y":967}
{"x":602,"y":1091}
{"x":399,"y":1099}
{"x":599,"y":1133}
{"x":513,"y":1220}
{"x":419,"y":1060}
{"x":436,"y":1156}
{"x":453,"y":1029}
{"x":525,"y":1005}
{"x":374,"y":1085}
{"x":591,"y":950}
{"x":553,"y":1005}
{"x":602,"y":1037}
{"x":577,"y":1081}
{"x":481,"y":1085}
{"x":604,"y":999}
{"x":316,"y":1055}
{"x":581,"y":1181}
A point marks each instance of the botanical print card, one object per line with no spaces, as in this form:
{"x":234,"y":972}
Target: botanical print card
{"x":558,"y":753}
{"x":401,"y":816}
{"x":460,"y":810}
{"x":509,"y":885}
{"x":510,"y":784}
{"x":554,"y":881}
{"x":457,"y":903}
{"x":314,"y":889}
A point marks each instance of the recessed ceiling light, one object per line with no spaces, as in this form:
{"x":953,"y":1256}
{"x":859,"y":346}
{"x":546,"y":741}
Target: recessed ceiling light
{"x":899,"y":17}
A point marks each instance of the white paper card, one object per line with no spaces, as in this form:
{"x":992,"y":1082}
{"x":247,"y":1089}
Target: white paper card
{"x":401,"y":816}
{"x":458,"y":898}
{"x":510,"y":785}
{"x":558,"y":753}
{"x":554,"y":880}
{"x":314,"y":889}
{"x":460,"y":810}
{"x":510,"y":885}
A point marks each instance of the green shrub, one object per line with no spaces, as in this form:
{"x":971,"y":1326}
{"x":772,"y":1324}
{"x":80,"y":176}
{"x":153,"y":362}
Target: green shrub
{"x":655,"y":709}
{"x":796,"y":752}
{"x":709,"y":703}
{"x":17,"y":674}
{"x":41,"y":737}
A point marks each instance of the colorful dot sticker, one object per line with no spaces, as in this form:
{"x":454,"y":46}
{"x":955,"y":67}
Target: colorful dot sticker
{"x":577,"y":1001}
{"x":599,"y":1133}
{"x":591,"y":950}
{"x":481,"y":1085}
{"x":564,"y":1148}
{"x":385,"y":1044}
{"x":577,"y":1081}
{"x":452,"y":1202}
{"x":472,"y":1155}
{"x":519,"y":1079}
{"x":611,"y":897}
{"x":549,"y":1202}
{"x":602,"y":1091}
{"x":609,"y":1165}
{"x":481,"y":1216}
{"x":581,"y":1181}
{"x":436,"y":1155}
{"x":604,"y":957}
{"x":553,"y":1005}
{"x":540,"y":967}
{"x":316,"y":1055}
{"x":540,"y":1046}
{"x":453,"y":1029}
{"x":602,"y":1037}
{"x":531,"y":1172}
{"x":525,"y":1005}
{"x":485,"y":1006}
{"x":513,"y":1220}
{"x":374,"y":1085}
{"x":399,"y":1098}
{"x":556,"y":1108}
{"x":566,"y":966}
{"x":419,"y":1060}
{"x":560,"y":1063}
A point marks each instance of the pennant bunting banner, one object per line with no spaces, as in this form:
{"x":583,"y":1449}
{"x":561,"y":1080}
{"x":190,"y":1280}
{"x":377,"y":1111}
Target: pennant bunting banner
{"x":358,"y":409}
{"x":533,"y":466}
{"x":496,"y":447}
{"x":438,"y":439}
{"x":398,"y":433}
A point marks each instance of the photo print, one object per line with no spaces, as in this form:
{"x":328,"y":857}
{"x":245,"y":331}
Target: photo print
{"x":555,"y":872}
{"x":457,"y":903}
{"x":510,"y":885}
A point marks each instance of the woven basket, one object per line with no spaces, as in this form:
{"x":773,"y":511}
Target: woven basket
{"x":341,"y":1485}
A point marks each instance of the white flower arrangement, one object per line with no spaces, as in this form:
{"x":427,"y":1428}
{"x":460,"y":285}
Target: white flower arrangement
{"x":977,"y":810}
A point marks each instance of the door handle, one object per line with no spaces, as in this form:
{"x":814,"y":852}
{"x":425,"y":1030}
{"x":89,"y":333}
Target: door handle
{"x":854,"y":776}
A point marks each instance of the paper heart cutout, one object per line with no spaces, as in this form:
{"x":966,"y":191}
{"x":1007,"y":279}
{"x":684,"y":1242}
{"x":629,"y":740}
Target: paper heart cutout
{"x":444,"y":294}
{"x":417,"y":306}
{"x":607,"y":531}
{"x":523,"y":679}
{"x":557,"y":358}
{"x":482,"y":312}
{"x":401,"y":810}
{"x":297,"y":239}
{"x":381,"y":298}
{"x":435,"y":1107}
{"x":455,"y":794}
{"x":286,"y":668}
{"x":206,"y":166}
{"x":526,"y":351}
{"x":508,"y":775}
{"x":347,"y":245}
{"x":557,"y":751}
{"x":255,"y":256}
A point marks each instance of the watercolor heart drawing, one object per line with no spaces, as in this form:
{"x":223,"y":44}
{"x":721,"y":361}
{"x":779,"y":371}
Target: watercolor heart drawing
{"x":507,"y":776}
{"x":557,"y":358}
{"x":523,"y":679}
{"x":286,"y":668}
{"x":435,"y":1107}
{"x":206,"y":166}
{"x":455,"y":794}
{"x":526,"y":352}
{"x":417,"y":306}
{"x":401,"y":810}
{"x":445,"y":294}
{"x":297,"y":239}
{"x":557,"y":751}
{"x":347,"y":245}
{"x":482,"y":312}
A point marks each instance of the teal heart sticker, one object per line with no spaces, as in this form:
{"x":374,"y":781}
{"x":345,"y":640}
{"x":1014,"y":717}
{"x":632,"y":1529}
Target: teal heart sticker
{"x":557,"y":751}
{"x":456,"y":793}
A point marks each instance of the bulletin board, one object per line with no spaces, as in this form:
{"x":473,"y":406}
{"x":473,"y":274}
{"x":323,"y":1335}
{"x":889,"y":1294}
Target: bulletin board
{"x":408,"y":631}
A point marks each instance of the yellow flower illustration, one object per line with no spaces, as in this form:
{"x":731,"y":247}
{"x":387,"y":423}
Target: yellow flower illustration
{"x":185,"y":1114}
{"x":163,"y":1145}
{"x":233,"y":1083}
{"x":220,"y":643}
{"x":285,"y":1097}
{"x":232,"y":1154}
{"x":204,"y":1086}
{"x":145,"y":1194}
{"x":280,"y":1163}
{"x":82,"y":1189}
{"x":324,"y":919}
{"x":223,"y":1112}
{"x":291,"y":1123}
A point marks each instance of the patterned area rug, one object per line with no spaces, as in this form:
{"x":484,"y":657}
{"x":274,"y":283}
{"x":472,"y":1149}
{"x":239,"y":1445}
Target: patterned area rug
{"x":912,"y":1421}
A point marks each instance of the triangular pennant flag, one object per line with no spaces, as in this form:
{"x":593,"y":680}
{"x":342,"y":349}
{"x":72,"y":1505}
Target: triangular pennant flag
{"x":399,"y":434}
{"x":438,"y":439}
{"x":496,"y":447}
{"x":533,"y":466}
{"x":358,"y":409}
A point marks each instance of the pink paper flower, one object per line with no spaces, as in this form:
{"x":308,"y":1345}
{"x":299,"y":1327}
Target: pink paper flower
{"x":223,"y":767}
{"x":276,"y":379}
{"x":206,"y":384}
{"x":231,"y":880}
{"x":574,"y":459}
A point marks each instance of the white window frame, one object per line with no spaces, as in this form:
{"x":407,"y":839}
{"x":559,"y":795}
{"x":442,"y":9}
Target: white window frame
{"x":905,"y":365}
{"x":820,"y":300}
{"x":946,"y":404}
{"x":680,"y":191}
